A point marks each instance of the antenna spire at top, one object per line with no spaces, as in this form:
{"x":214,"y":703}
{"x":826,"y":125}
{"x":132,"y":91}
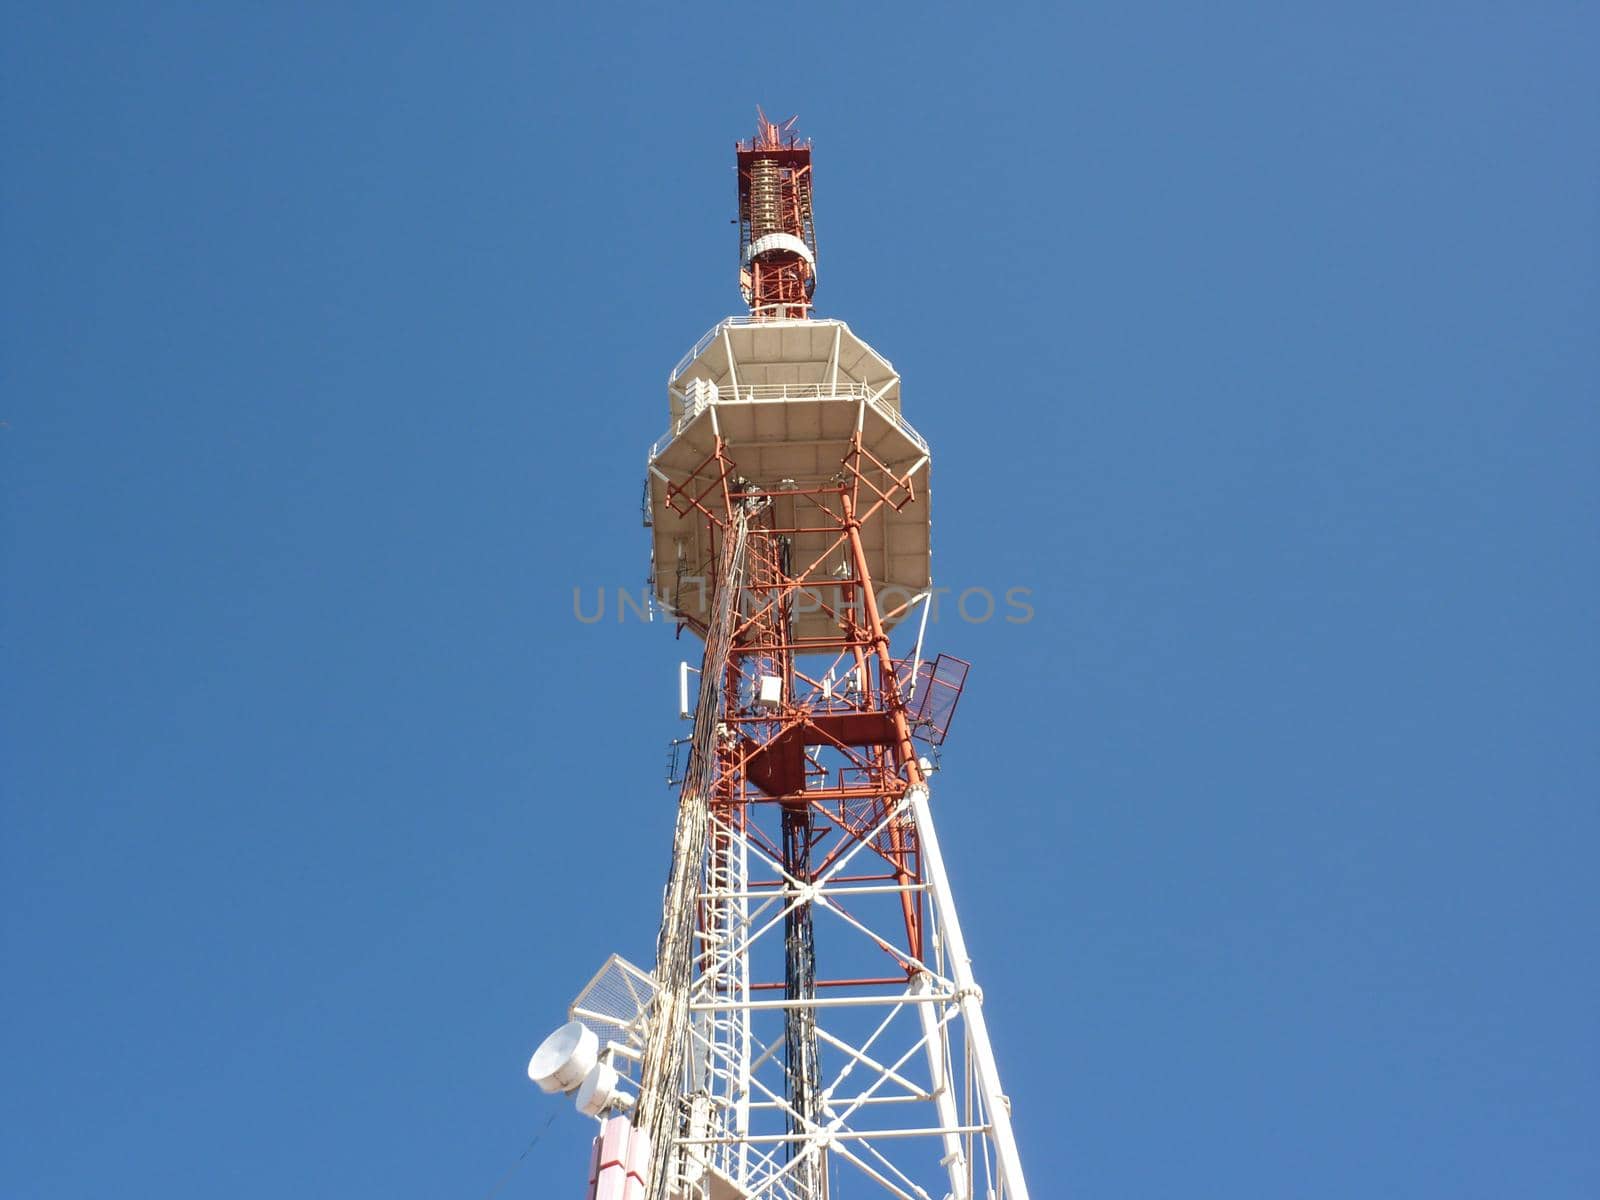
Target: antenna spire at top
{"x":777,"y":236}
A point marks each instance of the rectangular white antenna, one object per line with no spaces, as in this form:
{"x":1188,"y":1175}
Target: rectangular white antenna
{"x":684,"y":710}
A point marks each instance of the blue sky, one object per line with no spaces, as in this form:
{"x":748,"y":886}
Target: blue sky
{"x":1257,"y":341}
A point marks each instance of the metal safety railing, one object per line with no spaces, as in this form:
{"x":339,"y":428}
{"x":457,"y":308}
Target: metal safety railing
{"x":900,"y":423}
{"x":747,"y":393}
{"x":845,"y":390}
{"x":715,"y":332}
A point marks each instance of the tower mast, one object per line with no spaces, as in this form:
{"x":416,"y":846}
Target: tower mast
{"x":813,"y":1029}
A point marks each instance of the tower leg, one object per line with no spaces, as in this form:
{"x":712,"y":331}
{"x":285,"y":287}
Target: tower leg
{"x":955,"y":1160}
{"x":970,"y":999}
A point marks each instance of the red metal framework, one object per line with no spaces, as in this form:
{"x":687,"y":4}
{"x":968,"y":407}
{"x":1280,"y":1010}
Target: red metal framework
{"x":777,"y":237}
{"x":816,"y":731}
{"x":814,"y":751}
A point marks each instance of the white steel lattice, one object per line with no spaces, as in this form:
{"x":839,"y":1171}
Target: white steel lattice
{"x":910,"y":1094}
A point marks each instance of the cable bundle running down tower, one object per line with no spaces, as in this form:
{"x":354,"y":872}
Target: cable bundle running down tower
{"x":667,"y":1037}
{"x":812,"y":1029}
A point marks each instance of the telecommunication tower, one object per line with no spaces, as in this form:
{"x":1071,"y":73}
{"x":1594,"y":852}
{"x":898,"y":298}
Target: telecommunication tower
{"x":812,"y":1029}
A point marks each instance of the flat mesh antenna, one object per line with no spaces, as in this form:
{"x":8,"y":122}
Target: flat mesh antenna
{"x":615,"y":1002}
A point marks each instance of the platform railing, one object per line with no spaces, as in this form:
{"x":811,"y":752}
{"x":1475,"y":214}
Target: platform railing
{"x":901,"y":424}
{"x":846,"y":390}
{"x":777,"y":392}
{"x":715,"y":332}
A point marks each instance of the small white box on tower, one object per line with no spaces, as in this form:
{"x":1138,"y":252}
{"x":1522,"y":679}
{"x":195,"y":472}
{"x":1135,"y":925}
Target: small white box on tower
{"x":700,"y":392}
{"x":769,"y":691}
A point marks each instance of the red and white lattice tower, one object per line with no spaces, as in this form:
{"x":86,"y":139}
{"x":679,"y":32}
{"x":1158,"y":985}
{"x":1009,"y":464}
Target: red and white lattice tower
{"x":812,"y":1029}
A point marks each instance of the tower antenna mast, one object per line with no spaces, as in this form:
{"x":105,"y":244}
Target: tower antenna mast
{"x":812,"y":1029}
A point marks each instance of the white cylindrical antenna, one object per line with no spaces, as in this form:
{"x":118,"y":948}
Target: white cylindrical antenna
{"x":600,"y":1091}
{"x":564,"y":1058}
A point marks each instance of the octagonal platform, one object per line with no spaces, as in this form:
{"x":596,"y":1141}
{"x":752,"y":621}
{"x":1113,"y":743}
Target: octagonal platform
{"x":786,"y":398}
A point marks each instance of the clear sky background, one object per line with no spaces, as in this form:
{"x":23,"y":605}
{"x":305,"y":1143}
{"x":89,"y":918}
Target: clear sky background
{"x":1259,"y":343}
